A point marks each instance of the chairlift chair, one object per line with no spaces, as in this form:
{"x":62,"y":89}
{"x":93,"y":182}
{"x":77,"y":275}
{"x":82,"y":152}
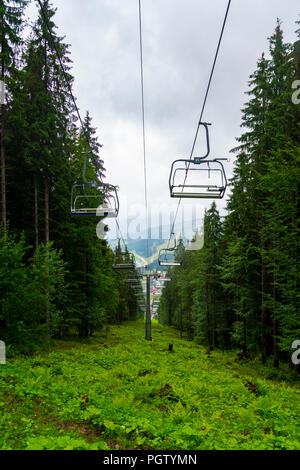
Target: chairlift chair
{"x":110,"y":206}
{"x":133,"y":277}
{"x":197,"y":178}
{"x":94,"y":199}
{"x":125,"y":263}
{"x":166,"y":257}
{"x":138,"y":292}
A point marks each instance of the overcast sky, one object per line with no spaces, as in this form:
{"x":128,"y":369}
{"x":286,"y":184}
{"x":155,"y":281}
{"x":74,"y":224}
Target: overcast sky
{"x":180,"y":39}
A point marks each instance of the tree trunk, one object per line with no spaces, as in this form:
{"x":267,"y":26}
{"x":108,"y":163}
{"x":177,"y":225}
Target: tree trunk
{"x":3,"y":175}
{"x":207,"y":311}
{"x":169,"y":315}
{"x":36,"y":215}
{"x":47,"y":237}
{"x":214,"y":322}
{"x":275,"y":321}
{"x":275,"y":343}
{"x":245,"y":348}
{"x":181,"y":321}
{"x":3,"y":184}
{"x":47,"y":313}
{"x":263,"y":308}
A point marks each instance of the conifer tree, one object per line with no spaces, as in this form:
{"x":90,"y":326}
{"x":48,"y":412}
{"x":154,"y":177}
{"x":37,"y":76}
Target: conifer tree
{"x":11,"y":14}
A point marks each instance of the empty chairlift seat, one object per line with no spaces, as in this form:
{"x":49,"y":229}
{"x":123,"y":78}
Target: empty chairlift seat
{"x":167,"y":257}
{"x":198,"y":178}
{"x":94,"y":199}
{"x":124,"y":261}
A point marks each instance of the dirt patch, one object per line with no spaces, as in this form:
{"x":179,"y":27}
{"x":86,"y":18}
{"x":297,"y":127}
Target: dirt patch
{"x":11,"y":399}
{"x":243,"y":356}
{"x":7,"y":397}
{"x":83,"y":429}
{"x":163,"y":408}
{"x":166,"y":392}
{"x":142,"y":373}
{"x":251,"y":387}
{"x":113,"y":445}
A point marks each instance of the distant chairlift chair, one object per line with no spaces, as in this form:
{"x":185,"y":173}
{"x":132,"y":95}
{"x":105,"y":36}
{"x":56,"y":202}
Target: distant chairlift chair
{"x":167,"y":257}
{"x":125,"y":262}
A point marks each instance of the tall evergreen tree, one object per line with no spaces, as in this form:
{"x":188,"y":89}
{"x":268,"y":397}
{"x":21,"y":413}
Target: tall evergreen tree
{"x":11,"y":14}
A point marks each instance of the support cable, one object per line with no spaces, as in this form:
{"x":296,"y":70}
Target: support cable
{"x":143,"y":124}
{"x":202,"y":112}
{"x":67,"y":80}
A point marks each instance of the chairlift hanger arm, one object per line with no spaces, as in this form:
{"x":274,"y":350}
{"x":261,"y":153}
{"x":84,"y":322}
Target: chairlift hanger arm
{"x":206,"y":124}
{"x":206,"y":95}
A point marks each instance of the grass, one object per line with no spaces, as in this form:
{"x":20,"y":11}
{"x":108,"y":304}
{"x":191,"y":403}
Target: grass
{"x":122,"y":392}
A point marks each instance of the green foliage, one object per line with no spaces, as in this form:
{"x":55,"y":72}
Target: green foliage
{"x":115,"y":390}
{"x":123,"y":392}
{"x":242,"y":288}
{"x":68,"y":285}
{"x":26,"y":289}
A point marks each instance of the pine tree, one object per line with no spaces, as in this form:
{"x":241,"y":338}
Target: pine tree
{"x":252,"y":261}
{"x":11,"y":13}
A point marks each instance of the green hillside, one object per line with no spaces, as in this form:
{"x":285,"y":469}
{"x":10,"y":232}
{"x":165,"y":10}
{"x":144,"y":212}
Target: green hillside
{"x":118,"y":391}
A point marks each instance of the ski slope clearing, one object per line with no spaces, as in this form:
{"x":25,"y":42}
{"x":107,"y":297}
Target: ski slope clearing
{"x":118,"y":391}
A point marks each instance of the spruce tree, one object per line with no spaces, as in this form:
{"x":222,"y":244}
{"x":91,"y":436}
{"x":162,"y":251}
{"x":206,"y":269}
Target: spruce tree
{"x":11,"y":14}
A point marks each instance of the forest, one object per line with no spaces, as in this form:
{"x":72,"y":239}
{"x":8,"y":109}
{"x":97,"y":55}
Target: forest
{"x":56,"y":276}
{"x":79,"y":374}
{"x":242,"y":289}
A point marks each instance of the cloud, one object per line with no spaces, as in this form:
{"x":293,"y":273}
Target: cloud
{"x":180,"y":40}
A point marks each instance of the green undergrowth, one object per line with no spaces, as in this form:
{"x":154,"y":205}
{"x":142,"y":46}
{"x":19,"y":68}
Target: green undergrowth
{"x":118,"y":391}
